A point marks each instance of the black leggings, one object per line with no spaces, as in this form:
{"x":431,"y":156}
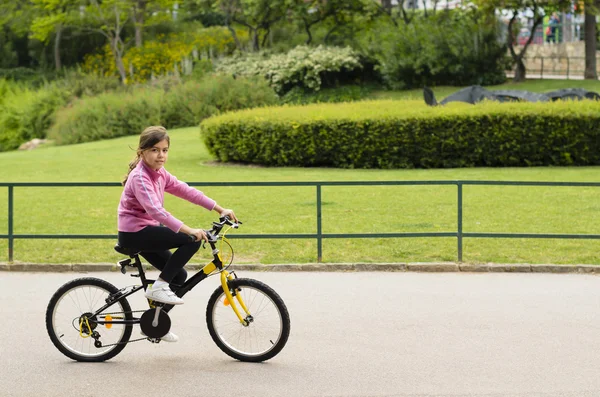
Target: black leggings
{"x":154,"y":243}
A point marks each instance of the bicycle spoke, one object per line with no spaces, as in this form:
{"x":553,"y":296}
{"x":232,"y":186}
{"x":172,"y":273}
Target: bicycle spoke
{"x":255,"y":338}
{"x":66,"y":323}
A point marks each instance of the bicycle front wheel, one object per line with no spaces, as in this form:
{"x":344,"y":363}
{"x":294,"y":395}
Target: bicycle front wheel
{"x":70,"y":320}
{"x":267,"y":326}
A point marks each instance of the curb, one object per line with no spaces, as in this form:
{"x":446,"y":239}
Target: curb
{"x":427,"y":267}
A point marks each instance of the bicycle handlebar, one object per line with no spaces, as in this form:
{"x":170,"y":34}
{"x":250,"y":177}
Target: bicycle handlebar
{"x":224,"y":220}
{"x":213,"y":233}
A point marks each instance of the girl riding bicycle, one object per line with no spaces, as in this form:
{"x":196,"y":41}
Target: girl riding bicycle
{"x":145,"y":225}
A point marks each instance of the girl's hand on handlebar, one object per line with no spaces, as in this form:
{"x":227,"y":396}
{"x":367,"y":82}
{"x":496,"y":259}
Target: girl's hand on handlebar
{"x":199,"y":234}
{"x":229,"y":213}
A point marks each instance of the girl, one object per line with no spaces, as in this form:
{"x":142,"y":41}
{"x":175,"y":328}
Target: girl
{"x":145,"y":225}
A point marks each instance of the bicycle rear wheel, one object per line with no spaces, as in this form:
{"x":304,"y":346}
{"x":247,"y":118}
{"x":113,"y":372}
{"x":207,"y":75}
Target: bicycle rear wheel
{"x":268,"y":328}
{"x":71,"y":324}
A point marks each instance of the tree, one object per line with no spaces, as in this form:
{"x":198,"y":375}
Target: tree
{"x":108,"y":18}
{"x":311,"y":13}
{"x":336,"y":13}
{"x":15,"y":18}
{"x":52,"y":16}
{"x":147,"y":13}
{"x":537,"y":8}
{"x":590,"y":11}
{"x":256,"y":15}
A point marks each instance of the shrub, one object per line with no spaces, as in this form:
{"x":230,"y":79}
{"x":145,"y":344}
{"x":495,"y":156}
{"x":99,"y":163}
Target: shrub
{"x":107,"y":116}
{"x":305,"y":67}
{"x":183,"y":105}
{"x":348,"y":93}
{"x":29,"y":114}
{"x":451,"y":48}
{"x":408,"y":134}
{"x":79,"y":84}
{"x":30,"y":77}
{"x":26,"y":113}
{"x":188,"y":104}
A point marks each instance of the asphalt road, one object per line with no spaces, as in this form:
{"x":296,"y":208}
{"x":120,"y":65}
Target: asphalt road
{"x":353,"y":334}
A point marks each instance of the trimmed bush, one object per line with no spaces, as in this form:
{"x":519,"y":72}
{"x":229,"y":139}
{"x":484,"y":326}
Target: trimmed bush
{"x":348,"y":93}
{"x":408,"y":134}
{"x":182,"y":105}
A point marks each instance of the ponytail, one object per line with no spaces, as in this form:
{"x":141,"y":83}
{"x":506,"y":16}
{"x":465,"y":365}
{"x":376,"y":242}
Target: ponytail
{"x":132,"y":166}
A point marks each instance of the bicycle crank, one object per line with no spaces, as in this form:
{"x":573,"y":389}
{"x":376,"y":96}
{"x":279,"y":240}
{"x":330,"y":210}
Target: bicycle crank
{"x":155,"y":323}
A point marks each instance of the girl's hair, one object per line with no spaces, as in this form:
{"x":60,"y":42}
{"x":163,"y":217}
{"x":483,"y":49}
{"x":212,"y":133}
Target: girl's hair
{"x":148,"y":138}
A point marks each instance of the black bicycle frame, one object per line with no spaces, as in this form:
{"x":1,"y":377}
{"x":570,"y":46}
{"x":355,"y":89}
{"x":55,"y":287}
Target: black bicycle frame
{"x":180,"y":292}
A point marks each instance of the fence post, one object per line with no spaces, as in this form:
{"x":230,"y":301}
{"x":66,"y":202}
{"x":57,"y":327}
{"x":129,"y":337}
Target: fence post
{"x":319,"y":226}
{"x":460,"y":222}
{"x":10,"y":224}
{"x":568,"y":67}
{"x":542,"y":70}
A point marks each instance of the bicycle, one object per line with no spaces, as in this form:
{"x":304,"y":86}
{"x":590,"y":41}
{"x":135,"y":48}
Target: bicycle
{"x":246,"y":318}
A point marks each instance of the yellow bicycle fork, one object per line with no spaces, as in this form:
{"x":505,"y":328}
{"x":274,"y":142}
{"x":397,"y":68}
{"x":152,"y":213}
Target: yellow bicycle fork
{"x":225,"y":277}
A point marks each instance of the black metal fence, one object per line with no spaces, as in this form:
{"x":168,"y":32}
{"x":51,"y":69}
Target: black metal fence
{"x":459,"y":233}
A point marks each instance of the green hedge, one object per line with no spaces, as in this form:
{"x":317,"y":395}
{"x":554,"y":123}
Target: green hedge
{"x":408,"y":134}
{"x":183,"y":105}
{"x":347,"y":93}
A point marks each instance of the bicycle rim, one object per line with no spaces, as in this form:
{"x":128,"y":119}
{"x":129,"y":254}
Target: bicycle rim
{"x":261,"y":335}
{"x":67,"y":315}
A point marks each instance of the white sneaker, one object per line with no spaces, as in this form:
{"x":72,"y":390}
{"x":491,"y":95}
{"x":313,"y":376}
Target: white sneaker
{"x":163,"y":295}
{"x":170,"y":337}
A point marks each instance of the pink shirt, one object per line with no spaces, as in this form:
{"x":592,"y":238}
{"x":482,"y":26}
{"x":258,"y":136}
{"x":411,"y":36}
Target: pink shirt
{"x":142,"y":200}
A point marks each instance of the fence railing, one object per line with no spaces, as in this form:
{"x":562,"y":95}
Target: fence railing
{"x":555,"y":67}
{"x":459,"y":233}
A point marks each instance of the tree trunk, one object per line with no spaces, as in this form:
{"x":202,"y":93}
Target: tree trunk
{"x":387,"y":5}
{"x":57,"y":60}
{"x":333,"y":29}
{"x":266,"y":37}
{"x":254,"y":35}
{"x":520,"y":71}
{"x":118,"y":54}
{"x":238,"y":45}
{"x":590,"y":46}
{"x":308,"y":32}
{"x":139,"y":14}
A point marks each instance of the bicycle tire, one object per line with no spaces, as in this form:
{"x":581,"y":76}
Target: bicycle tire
{"x":259,"y":298}
{"x":68,"y":338}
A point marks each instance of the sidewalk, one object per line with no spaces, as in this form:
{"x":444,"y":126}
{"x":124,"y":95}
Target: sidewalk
{"x":327,"y":267}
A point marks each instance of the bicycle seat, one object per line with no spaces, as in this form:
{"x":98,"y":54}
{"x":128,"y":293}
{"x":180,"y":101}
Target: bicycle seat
{"x":126,"y":251}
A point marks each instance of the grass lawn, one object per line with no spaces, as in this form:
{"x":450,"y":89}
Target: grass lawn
{"x":354,"y":209}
